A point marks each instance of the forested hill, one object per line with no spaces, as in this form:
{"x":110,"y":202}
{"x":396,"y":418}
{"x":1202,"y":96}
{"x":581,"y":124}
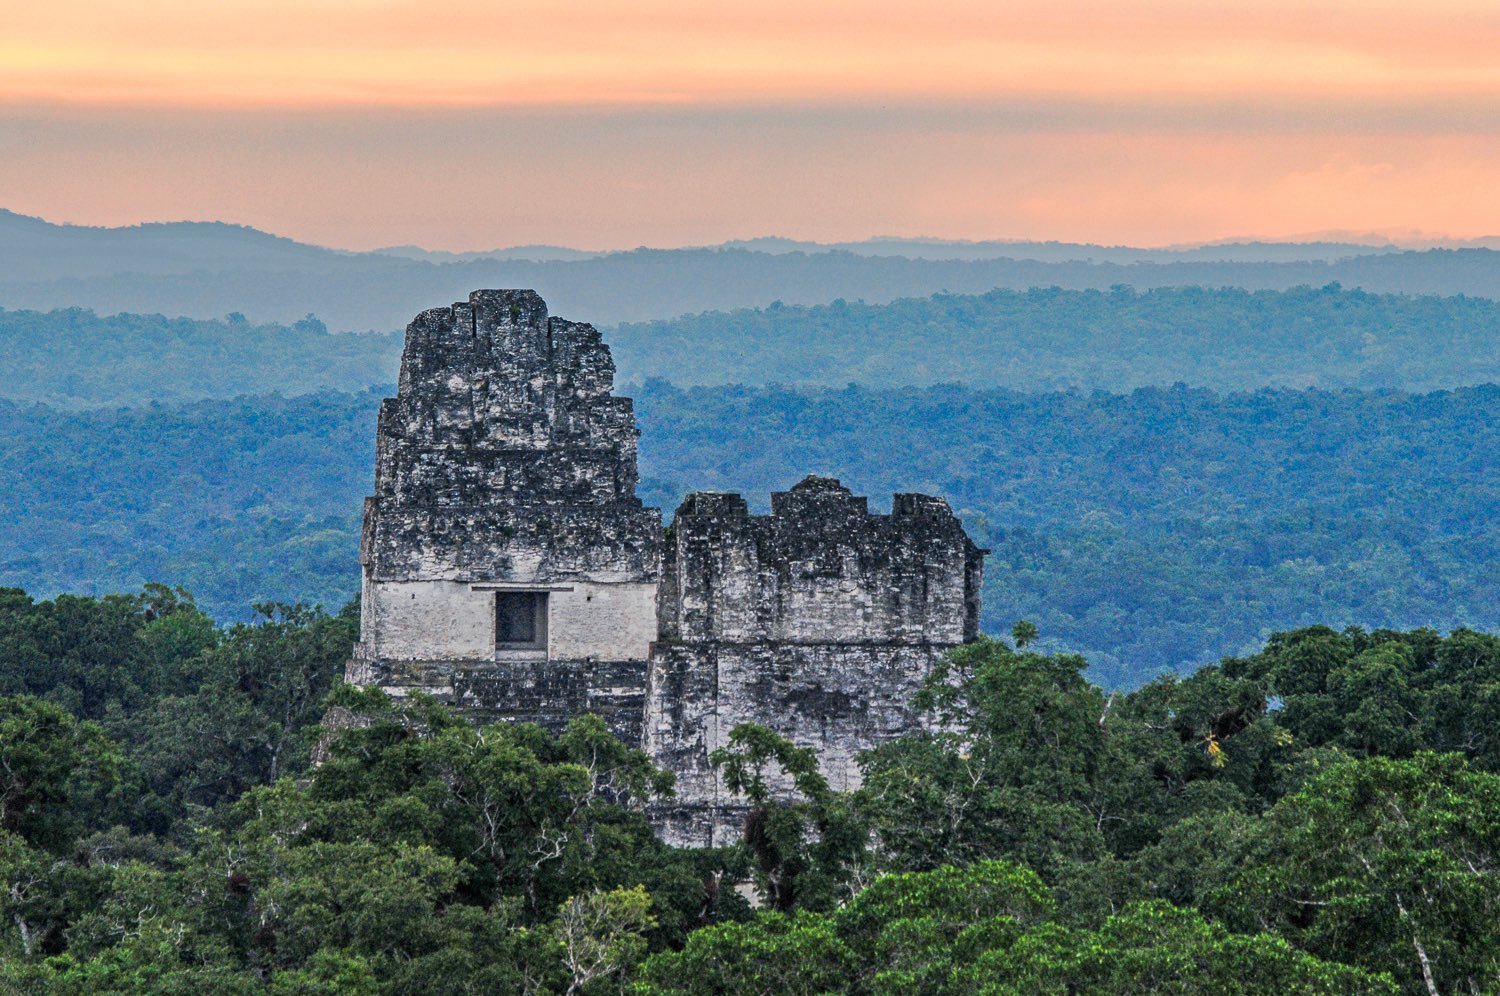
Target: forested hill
{"x":1115,"y":340}
{"x":1152,"y":530}
{"x":1227,"y":339}
{"x":73,"y":358}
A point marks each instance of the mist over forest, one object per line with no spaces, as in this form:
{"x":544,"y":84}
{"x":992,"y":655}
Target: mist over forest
{"x":208,"y":271}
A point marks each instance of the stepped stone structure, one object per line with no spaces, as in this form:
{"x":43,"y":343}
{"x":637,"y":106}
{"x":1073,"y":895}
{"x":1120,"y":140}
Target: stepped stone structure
{"x":510,"y":569}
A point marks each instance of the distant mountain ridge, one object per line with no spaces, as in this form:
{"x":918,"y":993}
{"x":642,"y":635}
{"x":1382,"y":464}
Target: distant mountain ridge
{"x":253,"y":241}
{"x":38,"y":250}
{"x":535,"y":253}
{"x":209,"y":269}
{"x":1071,"y":252}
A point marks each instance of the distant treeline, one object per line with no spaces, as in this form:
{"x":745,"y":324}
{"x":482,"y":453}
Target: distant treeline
{"x":1035,"y":340}
{"x":74,"y":358}
{"x":1114,"y":340}
{"x":1149,"y":530}
{"x":241,"y":501}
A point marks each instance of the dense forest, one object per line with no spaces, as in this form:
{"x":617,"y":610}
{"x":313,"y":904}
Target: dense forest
{"x":76,"y":359}
{"x":1319,"y":816}
{"x":1151,"y":530}
{"x":1035,"y":340}
{"x":244,"y":501}
{"x":1115,"y":340}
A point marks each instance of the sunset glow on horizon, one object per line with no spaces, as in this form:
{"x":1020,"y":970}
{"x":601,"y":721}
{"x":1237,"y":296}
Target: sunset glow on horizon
{"x":458,"y":124}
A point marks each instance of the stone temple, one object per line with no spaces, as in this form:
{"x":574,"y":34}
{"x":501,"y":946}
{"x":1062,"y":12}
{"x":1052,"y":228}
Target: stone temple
{"x":511,"y":570}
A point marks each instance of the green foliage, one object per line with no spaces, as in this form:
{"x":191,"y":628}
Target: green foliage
{"x":528,"y":814}
{"x":50,"y":766}
{"x":260,"y":693}
{"x":988,"y":929}
{"x":801,"y":836}
{"x":422,"y":855}
{"x":1390,"y":864}
{"x":431,"y":850}
{"x":1280,"y":823}
{"x":1194,"y":791}
{"x":912,"y":930}
{"x":601,"y":934}
{"x":74,"y":358}
{"x":742,"y":764}
{"x":799,"y":953}
{"x":1156,"y":948}
{"x":1384,"y":692}
{"x":198,"y":714}
{"x":1023,"y":633}
{"x":1149,"y":532}
{"x":1019,"y":742}
{"x":1047,"y":339}
{"x":88,"y":654}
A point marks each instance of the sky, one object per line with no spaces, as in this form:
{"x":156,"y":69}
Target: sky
{"x":461,"y":124}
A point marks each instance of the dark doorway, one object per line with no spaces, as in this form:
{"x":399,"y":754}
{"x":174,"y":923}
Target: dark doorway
{"x":521,"y":620}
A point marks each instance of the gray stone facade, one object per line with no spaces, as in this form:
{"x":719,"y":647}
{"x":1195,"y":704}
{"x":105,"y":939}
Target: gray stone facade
{"x":819,"y":620}
{"x":510,"y":569}
{"x":505,"y":467}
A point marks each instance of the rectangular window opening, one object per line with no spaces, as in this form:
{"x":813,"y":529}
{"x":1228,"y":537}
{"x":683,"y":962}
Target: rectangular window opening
{"x":520,"y":620}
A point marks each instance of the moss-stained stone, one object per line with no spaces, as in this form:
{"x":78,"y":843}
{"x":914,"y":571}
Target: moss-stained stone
{"x":506,"y":464}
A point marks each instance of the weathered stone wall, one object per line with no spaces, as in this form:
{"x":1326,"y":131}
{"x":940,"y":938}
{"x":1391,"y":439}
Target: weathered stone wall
{"x":505,"y":463}
{"x":819,"y":569}
{"x":546,"y":691}
{"x":504,"y":456}
{"x":455,"y":619}
{"x":819,"y":620}
{"x":839,"y":699}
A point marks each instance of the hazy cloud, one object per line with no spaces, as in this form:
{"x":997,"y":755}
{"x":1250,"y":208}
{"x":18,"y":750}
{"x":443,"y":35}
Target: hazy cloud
{"x":461,"y":124}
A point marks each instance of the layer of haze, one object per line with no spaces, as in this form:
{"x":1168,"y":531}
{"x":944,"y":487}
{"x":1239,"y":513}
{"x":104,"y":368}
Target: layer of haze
{"x":459,"y":124}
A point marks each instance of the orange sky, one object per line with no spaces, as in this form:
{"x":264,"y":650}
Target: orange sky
{"x":465,"y":124}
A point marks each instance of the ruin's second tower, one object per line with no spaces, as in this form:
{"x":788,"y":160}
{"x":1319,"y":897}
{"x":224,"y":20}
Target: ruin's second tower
{"x":819,"y":620}
{"x":510,"y":569}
